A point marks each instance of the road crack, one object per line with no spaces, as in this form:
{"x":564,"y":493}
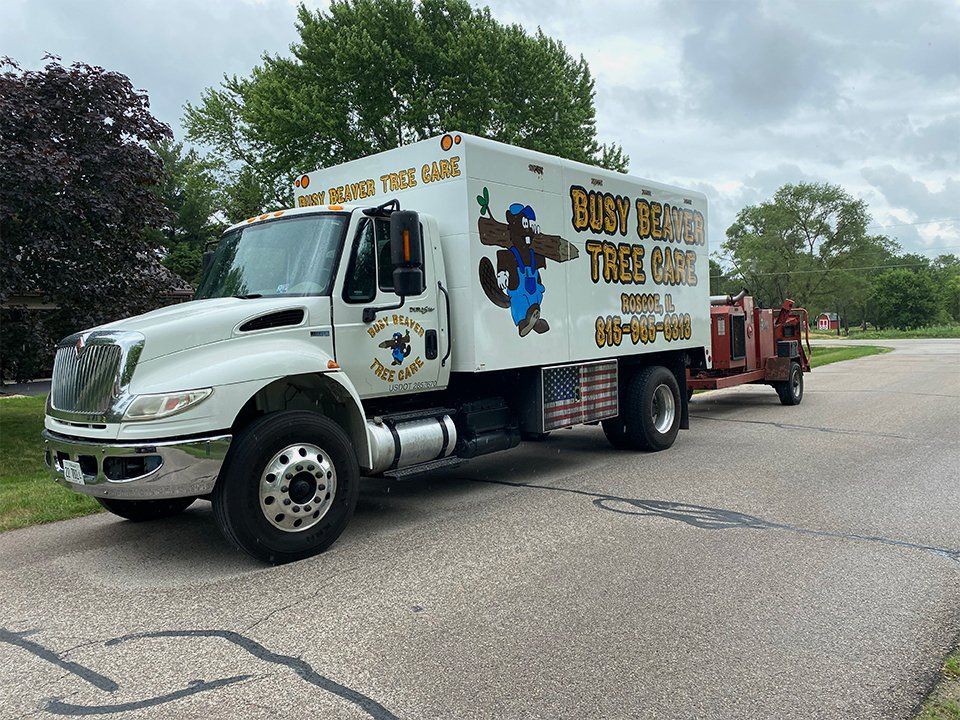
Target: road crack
{"x":710,"y":518}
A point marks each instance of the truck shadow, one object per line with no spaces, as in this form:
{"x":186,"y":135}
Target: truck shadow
{"x":185,"y":550}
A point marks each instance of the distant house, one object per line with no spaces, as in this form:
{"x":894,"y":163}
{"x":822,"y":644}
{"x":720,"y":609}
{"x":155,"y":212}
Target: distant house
{"x":828,"y":321}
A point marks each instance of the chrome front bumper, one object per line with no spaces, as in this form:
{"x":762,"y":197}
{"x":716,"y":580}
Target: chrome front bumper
{"x":138,"y":470}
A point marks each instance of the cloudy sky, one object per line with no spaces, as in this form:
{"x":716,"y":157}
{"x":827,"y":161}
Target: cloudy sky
{"x":733,"y":98}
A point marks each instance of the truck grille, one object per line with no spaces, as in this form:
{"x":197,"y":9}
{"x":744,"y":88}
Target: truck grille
{"x":87,"y":372}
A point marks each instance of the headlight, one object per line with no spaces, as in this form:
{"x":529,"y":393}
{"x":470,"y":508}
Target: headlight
{"x":151,"y":407}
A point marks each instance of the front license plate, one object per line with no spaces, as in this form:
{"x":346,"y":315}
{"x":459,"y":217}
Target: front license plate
{"x":72,"y":472}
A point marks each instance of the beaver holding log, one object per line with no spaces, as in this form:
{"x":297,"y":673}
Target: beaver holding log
{"x":516,"y":283}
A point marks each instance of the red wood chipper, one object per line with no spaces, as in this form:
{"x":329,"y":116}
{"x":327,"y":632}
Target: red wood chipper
{"x":755,"y":345}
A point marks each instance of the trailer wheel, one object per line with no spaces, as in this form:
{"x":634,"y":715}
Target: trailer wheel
{"x":650,"y":412}
{"x":289,"y":487}
{"x":791,"y":391}
{"x":141,"y":510}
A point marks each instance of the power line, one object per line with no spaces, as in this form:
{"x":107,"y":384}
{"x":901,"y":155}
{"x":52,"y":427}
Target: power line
{"x":938,"y":247}
{"x":921,"y":222}
{"x":825,"y":270}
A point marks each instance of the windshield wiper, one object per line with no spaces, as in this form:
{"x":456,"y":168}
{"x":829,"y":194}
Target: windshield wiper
{"x":249,"y":296}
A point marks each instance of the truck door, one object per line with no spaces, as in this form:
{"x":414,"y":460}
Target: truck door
{"x":401,"y":350}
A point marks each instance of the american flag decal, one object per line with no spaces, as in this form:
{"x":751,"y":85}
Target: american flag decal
{"x":574,"y":394}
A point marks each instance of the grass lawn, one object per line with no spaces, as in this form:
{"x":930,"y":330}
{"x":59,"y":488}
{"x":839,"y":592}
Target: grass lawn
{"x":826,"y":354}
{"x":934,"y":331}
{"x":944,"y":702}
{"x":27,"y":494}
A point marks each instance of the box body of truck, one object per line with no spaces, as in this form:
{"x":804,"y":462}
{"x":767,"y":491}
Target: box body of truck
{"x":618,"y":265}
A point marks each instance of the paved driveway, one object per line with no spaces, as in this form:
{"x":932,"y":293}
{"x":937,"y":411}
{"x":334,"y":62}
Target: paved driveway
{"x":777,"y":562}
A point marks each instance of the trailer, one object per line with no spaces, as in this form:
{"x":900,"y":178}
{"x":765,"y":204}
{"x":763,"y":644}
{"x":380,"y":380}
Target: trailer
{"x":415,"y":309}
{"x":755,"y":345}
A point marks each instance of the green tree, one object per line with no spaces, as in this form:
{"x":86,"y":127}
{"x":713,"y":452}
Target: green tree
{"x":720,"y":282}
{"x":947,"y":276}
{"x":370,"y":75}
{"x":905,"y":298}
{"x":190,"y":192}
{"x":808,"y":243}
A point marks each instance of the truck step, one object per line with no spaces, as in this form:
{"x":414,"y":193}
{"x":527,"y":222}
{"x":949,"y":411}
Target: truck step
{"x":400,"y":417}
{"x":409,"y":472}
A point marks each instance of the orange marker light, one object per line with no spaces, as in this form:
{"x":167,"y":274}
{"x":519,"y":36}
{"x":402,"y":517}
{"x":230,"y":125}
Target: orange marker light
{"x":332,"y":365}
{"x":406,"y":245}
{"x":304,"y":181}
{"x":278,"y":213}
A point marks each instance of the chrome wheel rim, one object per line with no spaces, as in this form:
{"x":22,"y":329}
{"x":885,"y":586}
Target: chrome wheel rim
{"x":664,"y":408}
{"x":297,"y":487}
{"x":796,"y":383}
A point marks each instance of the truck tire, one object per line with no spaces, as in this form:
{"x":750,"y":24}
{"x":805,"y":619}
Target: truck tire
{"x":288,"y":488}
{"x":649,"y":414}
{"x":141,"y":510}
{"x":791,"y":391}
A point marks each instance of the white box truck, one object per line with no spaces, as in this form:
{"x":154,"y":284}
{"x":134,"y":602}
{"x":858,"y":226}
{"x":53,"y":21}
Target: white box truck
{"x":416,"y":308}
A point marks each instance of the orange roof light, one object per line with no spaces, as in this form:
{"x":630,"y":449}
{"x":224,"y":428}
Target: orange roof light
{"x":334,"y":207}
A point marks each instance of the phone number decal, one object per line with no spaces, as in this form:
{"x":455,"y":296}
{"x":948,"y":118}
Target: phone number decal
{"x":613,"y":330}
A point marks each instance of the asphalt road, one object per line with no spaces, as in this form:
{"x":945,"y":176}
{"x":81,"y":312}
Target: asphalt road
{"x":776,"y":563}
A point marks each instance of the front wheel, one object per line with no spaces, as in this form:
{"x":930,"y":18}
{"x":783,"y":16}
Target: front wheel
{"x":142,"y":510}
{"x":791,"y":391}
{"x":650,"y":412}
{"x":288,"y":488}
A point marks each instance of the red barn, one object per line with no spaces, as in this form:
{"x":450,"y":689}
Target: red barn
{"x":828,"y":321}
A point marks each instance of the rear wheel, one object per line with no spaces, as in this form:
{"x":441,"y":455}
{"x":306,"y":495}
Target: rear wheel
{"x":650,"y":413}
{"x":791,"y":391}
{"x":141,"y":510}
{"x":289,"y":488}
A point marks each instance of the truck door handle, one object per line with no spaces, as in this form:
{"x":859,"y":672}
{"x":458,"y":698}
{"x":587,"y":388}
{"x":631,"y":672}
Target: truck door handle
{"x":430,"y":344}
{"x":446,"y":297}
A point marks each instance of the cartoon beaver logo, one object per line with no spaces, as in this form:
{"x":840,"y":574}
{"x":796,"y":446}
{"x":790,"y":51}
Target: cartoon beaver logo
{"x":399,"y":347}
{"x":516,"y":283}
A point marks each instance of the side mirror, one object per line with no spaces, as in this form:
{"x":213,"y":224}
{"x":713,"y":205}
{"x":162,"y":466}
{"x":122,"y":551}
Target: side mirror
{"x":406,"y":251}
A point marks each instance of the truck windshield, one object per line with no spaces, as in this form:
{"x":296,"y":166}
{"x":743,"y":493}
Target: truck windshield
{"x":294,"y":256}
